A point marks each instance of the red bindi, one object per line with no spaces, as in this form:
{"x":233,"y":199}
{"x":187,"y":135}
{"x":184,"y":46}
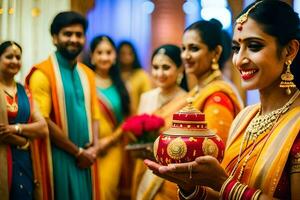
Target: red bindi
{"x":239,"y":39}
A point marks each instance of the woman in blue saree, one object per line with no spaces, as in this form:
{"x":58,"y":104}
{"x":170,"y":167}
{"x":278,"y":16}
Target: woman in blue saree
{"x":21,"y":130}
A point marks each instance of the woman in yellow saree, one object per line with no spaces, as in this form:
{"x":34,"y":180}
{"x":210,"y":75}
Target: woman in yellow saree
{"x":114,"y":105}
{"x":202,"y":54}
{"x":136,"y":79}
{"x":263,"y":150}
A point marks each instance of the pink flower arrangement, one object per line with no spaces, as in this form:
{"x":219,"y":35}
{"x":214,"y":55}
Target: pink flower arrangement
{"x":144,"y":127}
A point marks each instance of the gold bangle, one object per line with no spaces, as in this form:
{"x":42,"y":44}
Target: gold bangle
{"x":194,"y":194}
{"x":25,"y":146}
{"x":224,"y":186}
{"x":18,"y":129}
{"x":79,"y":152}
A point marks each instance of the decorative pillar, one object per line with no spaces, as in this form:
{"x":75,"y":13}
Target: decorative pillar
{"x":167,"y":22}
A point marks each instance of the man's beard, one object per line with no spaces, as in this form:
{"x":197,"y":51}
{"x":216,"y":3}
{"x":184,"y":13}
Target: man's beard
{"x":69,"y":55}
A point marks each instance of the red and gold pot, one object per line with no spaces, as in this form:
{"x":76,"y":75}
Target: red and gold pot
{"x":187,"y":139}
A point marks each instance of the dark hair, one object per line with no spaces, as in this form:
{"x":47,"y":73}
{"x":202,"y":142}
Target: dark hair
{"x":284,"y":26}
{"x":212,"y":35}
{"x":173,"y":52}
{"x":67,"y":18}
{"x":6,"y":44}
{"x":136,"y":62}
{"x":114,"y":73}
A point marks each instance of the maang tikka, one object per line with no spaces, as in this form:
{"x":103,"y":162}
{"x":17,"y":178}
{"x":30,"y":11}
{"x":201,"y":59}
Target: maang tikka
{"x":287,"y":78}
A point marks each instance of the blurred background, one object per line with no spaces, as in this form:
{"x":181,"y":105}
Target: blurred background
{"x":146,"y":23}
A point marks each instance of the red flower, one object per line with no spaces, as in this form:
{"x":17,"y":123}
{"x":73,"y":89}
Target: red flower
{"x":141,"y":125}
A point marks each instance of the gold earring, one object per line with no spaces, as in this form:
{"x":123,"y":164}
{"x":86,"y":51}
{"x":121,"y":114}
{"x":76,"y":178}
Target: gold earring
{"x":179,"y":78}
{"x":287,"y":78}
{"x":215,"y":65}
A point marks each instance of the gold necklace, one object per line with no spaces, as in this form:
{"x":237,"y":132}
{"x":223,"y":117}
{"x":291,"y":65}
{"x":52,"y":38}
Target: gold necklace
{"x":258,"y":125}
{"x":11,"y":93}
{"x":262,"y":123}
{"x":214,"y":75}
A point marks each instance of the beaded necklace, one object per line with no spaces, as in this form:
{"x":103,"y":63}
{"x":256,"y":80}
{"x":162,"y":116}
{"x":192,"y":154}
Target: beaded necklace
{"x":258,"y":125}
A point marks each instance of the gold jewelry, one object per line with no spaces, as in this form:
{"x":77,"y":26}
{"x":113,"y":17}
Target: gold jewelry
{"x":244,"y":17}
{"x":12,"y":93}
{"x":104,"y":38}
{"x":18,"y":129}
{"x":287,"y":78}
{"x":179,"y":78}
{"x":14,"y":46}
{"x":161,"y":51}
{"x":191,"y":196}
{"x":25,"y":146}
{"x":79,"y":152}
{"x":215,"y":65}
{"x":259,"y":125}
{"x":214,"y":75}
{"x":224,"y":185}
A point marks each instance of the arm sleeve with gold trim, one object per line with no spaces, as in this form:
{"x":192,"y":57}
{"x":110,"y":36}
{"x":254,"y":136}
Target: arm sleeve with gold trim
{"x":219,"y":113}
{"x":40,"y":89}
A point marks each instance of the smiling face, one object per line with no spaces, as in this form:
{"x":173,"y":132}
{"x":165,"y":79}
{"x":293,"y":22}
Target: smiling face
{"x":103,"y":56}
{"x":257,"y":57}
{"x":70,"y":41}
{"x":164,"y":71}
{"x":195,"y":54}
{"x":10,"y":61}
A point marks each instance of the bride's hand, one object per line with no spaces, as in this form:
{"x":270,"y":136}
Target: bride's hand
{"x":205,"y":171}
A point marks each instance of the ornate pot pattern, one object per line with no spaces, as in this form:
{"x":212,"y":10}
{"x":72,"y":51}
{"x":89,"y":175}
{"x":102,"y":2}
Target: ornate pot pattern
{"x":187,"y":139}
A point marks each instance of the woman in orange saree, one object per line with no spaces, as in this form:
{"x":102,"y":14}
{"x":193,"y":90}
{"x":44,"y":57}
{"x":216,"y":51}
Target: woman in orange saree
{"x":263,"y":150}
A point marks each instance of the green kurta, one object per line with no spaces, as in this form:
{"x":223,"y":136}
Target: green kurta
{"x":75,"y":182}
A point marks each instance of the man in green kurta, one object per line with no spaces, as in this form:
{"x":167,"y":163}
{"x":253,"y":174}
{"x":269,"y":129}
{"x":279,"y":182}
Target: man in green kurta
{"x":66,"y":93}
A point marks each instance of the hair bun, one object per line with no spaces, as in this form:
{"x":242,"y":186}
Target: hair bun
{"x":217,"y":23}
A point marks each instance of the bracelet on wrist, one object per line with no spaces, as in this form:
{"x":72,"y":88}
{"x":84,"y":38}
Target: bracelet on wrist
{"x":192,"y":195}
{"x":79,"y":152}
{"x":18,"y":129}
{"x":233,"y":189}
{"x":25,"y":146}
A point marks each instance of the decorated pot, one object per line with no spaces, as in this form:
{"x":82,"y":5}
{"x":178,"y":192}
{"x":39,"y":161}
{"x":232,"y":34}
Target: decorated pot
{"x":187,"y":139}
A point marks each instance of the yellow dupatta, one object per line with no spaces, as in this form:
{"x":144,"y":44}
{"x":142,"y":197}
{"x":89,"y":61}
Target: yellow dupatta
{"x":270,"y":157}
